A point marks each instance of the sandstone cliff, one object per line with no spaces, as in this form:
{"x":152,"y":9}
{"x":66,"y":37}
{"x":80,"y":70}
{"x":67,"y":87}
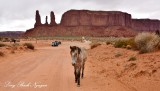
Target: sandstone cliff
{"x":37,"y":19}
{"x":93,"y":23}
{"x":95,"y":18}
{"x":12,"y":34}
{"x":145,"y":24}
{"x":53,"y":23}
{"x":46,"y":23}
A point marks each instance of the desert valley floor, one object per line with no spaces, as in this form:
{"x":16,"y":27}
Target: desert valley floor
{"x":49,"y":68}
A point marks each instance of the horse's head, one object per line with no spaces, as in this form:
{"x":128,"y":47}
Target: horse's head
{"x":75,"y":51}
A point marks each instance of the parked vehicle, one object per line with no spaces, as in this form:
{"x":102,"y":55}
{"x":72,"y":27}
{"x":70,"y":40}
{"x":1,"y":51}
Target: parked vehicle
{"x":56,"y":43}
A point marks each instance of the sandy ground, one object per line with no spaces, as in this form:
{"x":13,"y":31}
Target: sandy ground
{"x":49,"y":69}
{"x":117,"y":72}
{"x":45,"y":69}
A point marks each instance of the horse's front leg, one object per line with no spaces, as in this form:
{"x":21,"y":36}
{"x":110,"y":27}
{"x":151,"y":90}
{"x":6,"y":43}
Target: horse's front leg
{"x":78,"y":77}
{"x":75,"y":75}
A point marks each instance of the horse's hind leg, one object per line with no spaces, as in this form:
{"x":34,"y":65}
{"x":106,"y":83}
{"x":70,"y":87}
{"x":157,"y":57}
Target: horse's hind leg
{"x":82,"y":71}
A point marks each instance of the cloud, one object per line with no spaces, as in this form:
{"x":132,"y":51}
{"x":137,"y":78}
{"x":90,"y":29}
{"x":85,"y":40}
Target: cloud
{"x":19,"y":12}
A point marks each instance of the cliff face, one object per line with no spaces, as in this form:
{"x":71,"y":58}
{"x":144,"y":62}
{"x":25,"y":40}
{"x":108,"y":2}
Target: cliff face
{"x":95,"y":18}
{"x":145,"y":25}
{"x":93,"y":23}
{"x":11,"y":33}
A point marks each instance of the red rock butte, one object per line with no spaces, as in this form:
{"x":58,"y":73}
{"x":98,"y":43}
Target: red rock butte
{"x":92,"y":23}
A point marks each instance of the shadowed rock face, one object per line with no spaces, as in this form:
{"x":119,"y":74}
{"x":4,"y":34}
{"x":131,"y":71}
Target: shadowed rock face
{"x":11,"y":33}
{"x":52,"y":19}
{"x":46,"y":20}
{"x":145,"y":24}
{"x":93,"y":23}
{"x":38,"y":19}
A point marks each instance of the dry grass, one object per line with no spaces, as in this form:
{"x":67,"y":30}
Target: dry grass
{"x":2,"y":45}
{"x":132,"y":58}
{"x":29,"y":45}
{"x":94,"y":45}
{"x":125,"y":43}
{"x":118,"y":54}
{"x":15,"y":44}
{"x":147,"y":42}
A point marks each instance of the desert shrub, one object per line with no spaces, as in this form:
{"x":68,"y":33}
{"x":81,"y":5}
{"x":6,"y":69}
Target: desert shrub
{"x":128,"y":46}
{"x":118,"y":54}
{"x":94,"y":45}
{"x":1,"y":54}
{"x":108,"y":42}
{"x":6,"y":39}
{"x":124,"y":43}
{"x":2,"y":45}
{"x":132,"y":58}
{"x":15,"y":44}
{"x":147,"y":42}
{"x":131,"y":43}
{"x":29,"y":45}
{"x":120,"y":44}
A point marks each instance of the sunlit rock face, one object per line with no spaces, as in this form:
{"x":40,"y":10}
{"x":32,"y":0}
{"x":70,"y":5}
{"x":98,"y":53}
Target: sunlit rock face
{"x":95,"y":18}
{"x":92,"y":23}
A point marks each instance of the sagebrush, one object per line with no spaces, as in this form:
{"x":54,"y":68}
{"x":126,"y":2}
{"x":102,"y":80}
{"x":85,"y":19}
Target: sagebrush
{"x":15,"y":44}
{"x":29,"y":45}
{"x":2,"y":45}
{"x":124,"y":43}
{"x":147,"y":42}
{"x":118,"y":54}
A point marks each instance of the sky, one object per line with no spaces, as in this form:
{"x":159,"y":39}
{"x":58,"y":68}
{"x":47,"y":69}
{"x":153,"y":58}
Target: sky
{"x":19,"y":15}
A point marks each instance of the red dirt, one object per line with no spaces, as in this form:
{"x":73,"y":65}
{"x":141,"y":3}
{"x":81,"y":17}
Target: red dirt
{"x":51,"y":68}
{"x":141,"y":74}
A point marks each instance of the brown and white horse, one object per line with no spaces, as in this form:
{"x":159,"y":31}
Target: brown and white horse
{"x":79,"y":56}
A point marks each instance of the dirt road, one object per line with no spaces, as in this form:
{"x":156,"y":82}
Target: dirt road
{"x":49,"y":69}
{"x":46,"y":69}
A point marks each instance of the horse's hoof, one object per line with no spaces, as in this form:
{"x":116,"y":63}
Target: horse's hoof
{"x":78,"y":85}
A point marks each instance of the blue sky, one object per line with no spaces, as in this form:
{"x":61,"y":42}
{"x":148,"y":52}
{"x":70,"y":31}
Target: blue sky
{"x":19,"y":15}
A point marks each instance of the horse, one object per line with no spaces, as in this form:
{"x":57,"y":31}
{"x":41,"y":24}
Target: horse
{"x":79,"y":57}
